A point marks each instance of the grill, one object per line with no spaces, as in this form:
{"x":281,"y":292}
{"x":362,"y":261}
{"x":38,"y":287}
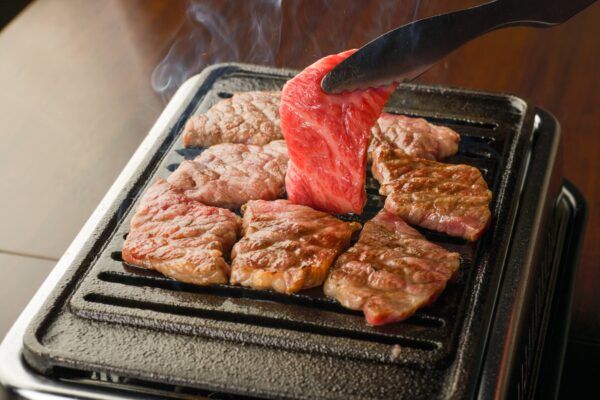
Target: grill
{"x":111,"y":326}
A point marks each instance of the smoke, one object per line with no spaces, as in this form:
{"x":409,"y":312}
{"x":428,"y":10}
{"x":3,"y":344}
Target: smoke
{"x":283,"y":33}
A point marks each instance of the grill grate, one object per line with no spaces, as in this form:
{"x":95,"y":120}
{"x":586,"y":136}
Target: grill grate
{"x":110,"y":304}
{"x":115,"y":290}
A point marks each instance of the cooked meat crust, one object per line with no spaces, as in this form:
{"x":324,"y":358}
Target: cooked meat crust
{"x":415,"y":136}
{"x":287,"y":247}
{"x":181,"y":238}
{"x":390,"y":272}
{"x":229,"y":175}
{"x":247,"y":117}
{"x":453,"y":199}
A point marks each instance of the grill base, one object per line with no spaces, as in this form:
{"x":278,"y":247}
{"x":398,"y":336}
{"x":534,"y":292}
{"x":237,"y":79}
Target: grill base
{"x":108,"y":322}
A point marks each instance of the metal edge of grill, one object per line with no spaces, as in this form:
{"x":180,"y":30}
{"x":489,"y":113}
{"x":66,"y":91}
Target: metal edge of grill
{"x":529,"y":281}
{"x":36,"y":334}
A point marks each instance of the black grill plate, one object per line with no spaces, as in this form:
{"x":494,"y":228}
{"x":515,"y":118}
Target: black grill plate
{"x":123,"y":323}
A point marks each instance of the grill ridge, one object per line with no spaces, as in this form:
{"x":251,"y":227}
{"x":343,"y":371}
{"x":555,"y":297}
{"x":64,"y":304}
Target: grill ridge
{"x":262,"y":321}
{"x":248,"y":293}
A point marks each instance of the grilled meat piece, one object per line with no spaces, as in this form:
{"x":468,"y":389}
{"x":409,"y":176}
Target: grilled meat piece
{"x":180,"y":237}
{"x":453,"y":199}
{"x":415,"y":136}
{"x":327,"y":137}
{"x":287,"y":247}
{"x":247,"y":117}
{"x":229,"y":175}
{"x":390,"y":272}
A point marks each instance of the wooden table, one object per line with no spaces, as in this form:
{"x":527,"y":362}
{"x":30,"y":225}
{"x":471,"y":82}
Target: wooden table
{"x":76,"y":95}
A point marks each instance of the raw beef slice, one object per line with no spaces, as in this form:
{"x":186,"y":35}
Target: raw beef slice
{"x":327,"y":137}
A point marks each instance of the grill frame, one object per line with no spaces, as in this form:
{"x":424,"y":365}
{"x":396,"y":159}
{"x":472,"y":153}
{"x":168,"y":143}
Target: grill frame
{"x":37,"y":353}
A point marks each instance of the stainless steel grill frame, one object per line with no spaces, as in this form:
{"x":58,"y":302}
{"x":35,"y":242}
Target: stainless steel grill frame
{"x":107,"y":324}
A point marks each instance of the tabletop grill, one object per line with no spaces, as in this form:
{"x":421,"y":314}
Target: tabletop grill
{"x":112,"y":328}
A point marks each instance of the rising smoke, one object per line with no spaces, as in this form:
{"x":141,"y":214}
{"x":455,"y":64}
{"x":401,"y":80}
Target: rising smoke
{"x":283,"y":33}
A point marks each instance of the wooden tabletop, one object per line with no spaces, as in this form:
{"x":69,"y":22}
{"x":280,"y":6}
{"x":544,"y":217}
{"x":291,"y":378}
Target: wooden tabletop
{"x":83,"y":81}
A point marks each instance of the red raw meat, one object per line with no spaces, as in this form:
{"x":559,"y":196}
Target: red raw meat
{"x":327,"y":137}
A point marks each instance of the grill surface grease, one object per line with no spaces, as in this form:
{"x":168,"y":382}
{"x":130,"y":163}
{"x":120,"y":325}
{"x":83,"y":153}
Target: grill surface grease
{"x":130,"y":323}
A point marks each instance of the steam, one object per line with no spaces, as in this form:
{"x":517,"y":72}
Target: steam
{"x":273,"y":32}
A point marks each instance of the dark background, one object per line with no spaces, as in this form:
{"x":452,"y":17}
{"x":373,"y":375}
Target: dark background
{"x":83,"y":81}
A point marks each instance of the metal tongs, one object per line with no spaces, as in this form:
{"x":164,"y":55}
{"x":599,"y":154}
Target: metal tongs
{"x":406,"y":52}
